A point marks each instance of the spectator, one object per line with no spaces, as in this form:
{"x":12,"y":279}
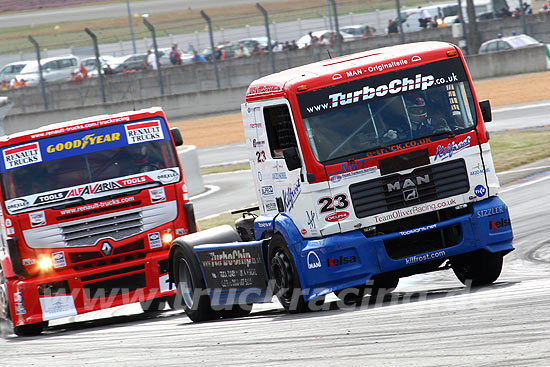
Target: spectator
{"x":516,"y":13}
{"x":198,"y":58}
{"x":368,"y":33}
{"x":18,"y":83}
{"x":313,"y":40}
{"x":392,"y":27}
{"x":175,"y":55}
{"x":433,"y":22}
{"x":323,"y":41}
{"x":5,"y":85}
{"x":108,"y":70}
{"x":76,"y":77}
{"x":293,"y":46}
{"x":241,"y":51}
{"x":544,"y":9}
{"x":83,"y":71}
{"x":152,"y":60}
{"x":219,"y":54}
{"x":504,"y":12}
{"x":278,"y":47}
{"x":257,"y":50}
{"x":425,"y":17}
{"x":527,"y":8}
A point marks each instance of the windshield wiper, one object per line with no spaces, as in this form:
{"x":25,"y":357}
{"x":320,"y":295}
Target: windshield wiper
{"x":444,"y":130}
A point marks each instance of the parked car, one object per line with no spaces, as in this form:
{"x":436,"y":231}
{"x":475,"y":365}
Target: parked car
{"x":507,"y":43}
{"x":90,"y":64}
{"x":126,"y":63}
{"x":53,"y":69}
{"x":10,"y":70}
{"x":250,"y":43}
{"x":356,"y":31}
{"x":305,"y":41}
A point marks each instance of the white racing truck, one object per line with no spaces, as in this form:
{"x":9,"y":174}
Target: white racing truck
{"x":368,"y":168}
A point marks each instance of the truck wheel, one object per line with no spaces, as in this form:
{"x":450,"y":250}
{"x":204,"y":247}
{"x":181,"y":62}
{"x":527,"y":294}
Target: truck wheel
{"x":153,"y":305}
{"x":191,"y":287}
{"x":481,"y":268}
{"x":284,"y":276}
{"x":31,"y":329}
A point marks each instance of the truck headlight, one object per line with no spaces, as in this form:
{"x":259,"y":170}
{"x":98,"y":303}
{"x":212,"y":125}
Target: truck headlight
{"x":167,"y":238}
{"x":45,"y":263}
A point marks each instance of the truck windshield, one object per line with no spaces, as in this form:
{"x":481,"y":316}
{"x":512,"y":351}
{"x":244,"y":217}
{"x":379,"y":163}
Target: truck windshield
{"x":388,"y":109}
{"x":66,"y":171}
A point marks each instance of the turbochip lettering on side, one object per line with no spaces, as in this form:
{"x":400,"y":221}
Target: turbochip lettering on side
{"x":234,"y":267}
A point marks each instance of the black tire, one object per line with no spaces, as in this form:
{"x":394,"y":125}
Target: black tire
{"x":284,"y":277}
{"x":191,"y":286}
{"x":153,"y":305}
{"x":171,"y":300}
{"x":31,"y":329}
{"x":477,"y":268}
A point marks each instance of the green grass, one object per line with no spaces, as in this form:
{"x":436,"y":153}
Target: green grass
{"x":67,"y":34}
{"x":518,"y":148}
{"x":225,"y":168}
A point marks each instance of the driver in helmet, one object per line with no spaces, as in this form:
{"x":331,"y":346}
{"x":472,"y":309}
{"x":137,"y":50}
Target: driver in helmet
{"x":421,"y":123}
{"x":141,"y":159}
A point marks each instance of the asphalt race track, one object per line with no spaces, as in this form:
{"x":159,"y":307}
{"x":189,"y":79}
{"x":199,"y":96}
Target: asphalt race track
{"x":430,"y":320}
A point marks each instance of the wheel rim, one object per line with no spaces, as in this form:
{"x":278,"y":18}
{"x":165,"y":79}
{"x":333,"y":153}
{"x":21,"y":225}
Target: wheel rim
{"x":185,"y":283}
{"x":281,"y":271}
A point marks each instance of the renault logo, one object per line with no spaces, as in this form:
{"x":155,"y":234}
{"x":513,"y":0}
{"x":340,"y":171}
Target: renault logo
{"x":106,"y":248}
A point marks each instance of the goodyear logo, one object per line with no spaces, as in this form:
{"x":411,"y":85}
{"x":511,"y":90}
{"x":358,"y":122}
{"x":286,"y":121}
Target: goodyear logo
{"x":88,"y":140}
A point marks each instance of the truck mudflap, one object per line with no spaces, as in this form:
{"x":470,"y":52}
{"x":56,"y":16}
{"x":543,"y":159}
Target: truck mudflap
{"x":234,"y":273}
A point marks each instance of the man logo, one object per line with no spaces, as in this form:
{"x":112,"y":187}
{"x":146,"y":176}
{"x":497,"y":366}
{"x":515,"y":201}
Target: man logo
{"x":313,"y":261}
{"x":410,"y":194}
{"x":408,"y":182}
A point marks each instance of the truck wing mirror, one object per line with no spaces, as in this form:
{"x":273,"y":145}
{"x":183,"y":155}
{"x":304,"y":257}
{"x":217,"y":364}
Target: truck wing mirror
{"x":485,"y":106}
{"x":292,"y":159}
{"x":176,"y":133}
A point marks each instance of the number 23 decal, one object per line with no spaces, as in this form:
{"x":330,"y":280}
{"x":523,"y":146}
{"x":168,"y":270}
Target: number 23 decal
{"x":339,"y":201}
{"x":261,"y":156}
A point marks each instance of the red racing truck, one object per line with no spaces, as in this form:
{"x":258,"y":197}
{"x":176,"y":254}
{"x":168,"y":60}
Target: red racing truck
{"x":89,"y":209}
{"x":368,"y":168}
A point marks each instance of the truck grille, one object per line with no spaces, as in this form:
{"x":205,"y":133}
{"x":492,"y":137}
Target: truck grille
{"x":422,"y":185}
{"x":88,"y":232}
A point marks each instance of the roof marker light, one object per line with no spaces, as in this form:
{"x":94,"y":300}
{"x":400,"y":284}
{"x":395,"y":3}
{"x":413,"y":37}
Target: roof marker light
{"x":302,"y":88}
{"x":451,"y":53}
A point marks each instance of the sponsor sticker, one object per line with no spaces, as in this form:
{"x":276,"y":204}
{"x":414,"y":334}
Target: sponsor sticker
{"x":499,"y":223}
{"x":37,"y":219}
{"x":290,"y":195}
{"x":59,"y":259}
{"x":443,"y":152}
{"x":181,"y":231}
{"x":8,"y":222}
{"x":141,"y":132}
{"x":489,"y":212}
{"x":57,"y":307}
{"x":338,"y":216}
{"x":164,"y":283}
{"x":22,"y":155}
{"x":278,"y":176}
{"x":168,"y":176}
{"x":157,"y":195}
{"x":10,"y":230}
{"x":480,"y":191}
{"x":154,"y":240}
{"x":16,"y":204}
{"x":27,"y":262}
{"x":267,"y":190}
{"x":313,"y":261}
{"x":341,"y":260}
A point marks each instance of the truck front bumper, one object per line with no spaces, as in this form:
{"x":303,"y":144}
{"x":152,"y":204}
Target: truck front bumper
{"x":349,"y":259}
{"x":70,"y":292}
